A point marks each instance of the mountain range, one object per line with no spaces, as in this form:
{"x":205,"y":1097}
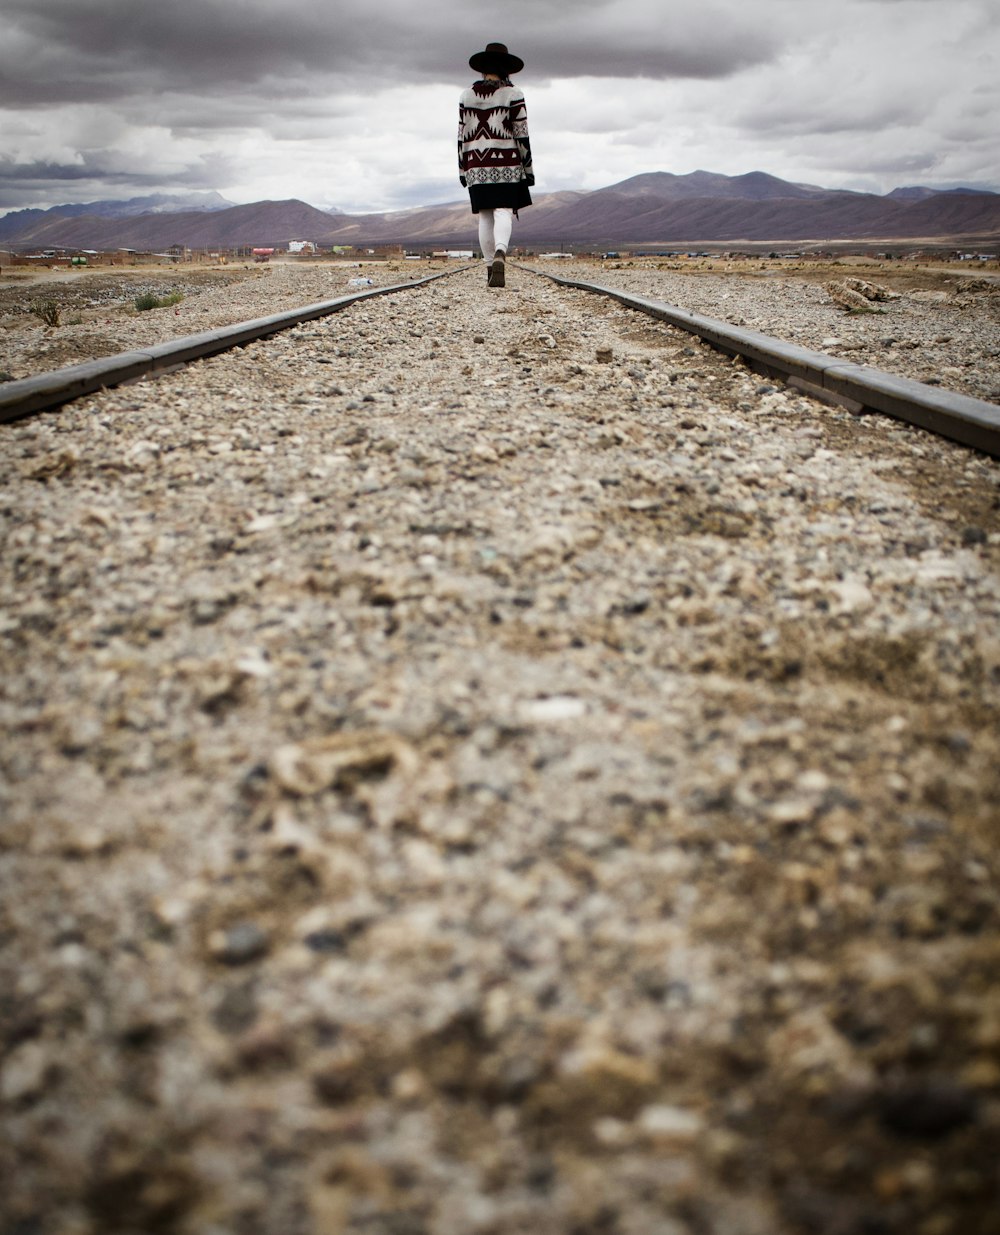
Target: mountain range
{"x":648,"y":209}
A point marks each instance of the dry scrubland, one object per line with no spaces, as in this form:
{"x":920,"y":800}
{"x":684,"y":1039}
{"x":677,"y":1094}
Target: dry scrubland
{"x":484,"y":764}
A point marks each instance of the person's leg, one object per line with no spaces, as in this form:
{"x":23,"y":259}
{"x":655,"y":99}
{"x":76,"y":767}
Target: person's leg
{"x":487,"y":240}
{"x":503,"y":225}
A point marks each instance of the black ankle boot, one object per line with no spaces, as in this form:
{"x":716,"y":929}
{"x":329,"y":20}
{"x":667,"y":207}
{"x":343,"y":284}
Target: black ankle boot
{"x":496,"y":278}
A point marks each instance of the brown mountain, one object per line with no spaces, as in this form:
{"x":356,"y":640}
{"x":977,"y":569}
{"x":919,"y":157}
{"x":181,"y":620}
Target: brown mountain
{"x":648,"y":213}
{"x":261,"y":223}
{"x":653,"y":208}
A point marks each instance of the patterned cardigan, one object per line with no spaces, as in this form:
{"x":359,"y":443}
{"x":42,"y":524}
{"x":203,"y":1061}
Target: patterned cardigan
{"x":494,"y":154}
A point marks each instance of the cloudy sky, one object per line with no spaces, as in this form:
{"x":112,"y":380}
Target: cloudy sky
{"x":353,"y":103}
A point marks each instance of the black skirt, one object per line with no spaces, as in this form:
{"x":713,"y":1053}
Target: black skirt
{"x":499,"y":196}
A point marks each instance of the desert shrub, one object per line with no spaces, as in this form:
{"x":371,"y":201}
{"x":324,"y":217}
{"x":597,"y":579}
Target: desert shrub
{"x":149,"y":301}
{"x":46,"y":311}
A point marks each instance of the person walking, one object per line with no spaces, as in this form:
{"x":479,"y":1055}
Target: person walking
{"x":494,"y":154}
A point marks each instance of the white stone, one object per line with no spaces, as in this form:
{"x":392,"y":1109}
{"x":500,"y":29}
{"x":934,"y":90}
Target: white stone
{"x":670,"y":1123}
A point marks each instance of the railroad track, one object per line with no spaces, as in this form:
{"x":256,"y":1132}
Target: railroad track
{"x":47,"y":391}
{"x":972,"y":422}
{"x":539,"y":786}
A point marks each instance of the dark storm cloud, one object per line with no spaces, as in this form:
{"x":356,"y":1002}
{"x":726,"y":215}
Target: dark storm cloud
{"x":99,"y":50}
{"x":72,"y":51}
{"x":23,"y":183}
{"x":39,"y":173}
{"x":350,"y":103}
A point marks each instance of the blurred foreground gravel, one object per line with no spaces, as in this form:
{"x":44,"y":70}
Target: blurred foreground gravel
{"x":484,"y":763}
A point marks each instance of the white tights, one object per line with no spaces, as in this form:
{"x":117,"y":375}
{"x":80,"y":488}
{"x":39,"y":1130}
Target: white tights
{"x":495,"y":227}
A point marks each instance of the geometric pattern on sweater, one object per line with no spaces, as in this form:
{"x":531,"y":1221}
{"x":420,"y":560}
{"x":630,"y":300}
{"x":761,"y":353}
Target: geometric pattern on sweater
{"x":493,"y":144}
{"x":492,"y":175}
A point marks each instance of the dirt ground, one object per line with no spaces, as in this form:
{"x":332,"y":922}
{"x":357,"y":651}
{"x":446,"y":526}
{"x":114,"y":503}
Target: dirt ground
{"x":484,"y":764}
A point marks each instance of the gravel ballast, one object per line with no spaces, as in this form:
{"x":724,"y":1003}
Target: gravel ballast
{"x":485,"y":763}
{"x":934,"y":327}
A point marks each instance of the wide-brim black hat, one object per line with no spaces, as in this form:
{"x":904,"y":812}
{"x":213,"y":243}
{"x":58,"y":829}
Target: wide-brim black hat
{"x":495,"y":58}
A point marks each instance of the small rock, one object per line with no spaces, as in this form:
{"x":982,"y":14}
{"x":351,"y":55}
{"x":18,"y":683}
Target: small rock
{"x":236,"y":945}
{"x":339,"y":1078}
{"x":973,"y":536}
{"x":25,"y":1072}
{"x":853,"y":596}
{"x":670,"y":1123}
{"x":237,"y":1009}
{"x":556,"y":708}
{"x":982,"y":1074}
{"x":310,"y":767}
{"x":264,"y":1046}
{"x":927,"y":1109}
{"x":791,"y":811}
{"x":326,"y":941}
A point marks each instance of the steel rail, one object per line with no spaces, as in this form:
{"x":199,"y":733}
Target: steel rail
{"x":961,"y":418}
{"x":45,"y":391}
